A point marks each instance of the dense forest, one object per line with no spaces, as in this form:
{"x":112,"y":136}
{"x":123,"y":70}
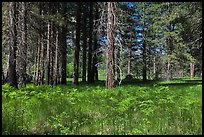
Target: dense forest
{"x":74,"y":61}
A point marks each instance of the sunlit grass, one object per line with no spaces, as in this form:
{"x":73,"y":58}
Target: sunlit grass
{"x":155,"y":108}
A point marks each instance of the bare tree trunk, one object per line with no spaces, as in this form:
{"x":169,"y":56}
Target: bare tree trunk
{"x":63,"y":56}
{"x":84,"y":48}
{"x":56,"y":57}
{"x":48,"y":55}
{"x":23,"y":49}
{"x":154,"y":67}
{"x":95,"y":46}
{"x":52,"y":55}
{"x":38,"y":65}
{"x":129,"y":60}
{"x":12,"y":78}
{"x":119,"y":64}
{"x":77,"y":47}
{"x":110,"y":73}
{"x":42,"y":36}
{"x":90,"y":50}
{"x":192,"y":69}
{"x":144,"y":55}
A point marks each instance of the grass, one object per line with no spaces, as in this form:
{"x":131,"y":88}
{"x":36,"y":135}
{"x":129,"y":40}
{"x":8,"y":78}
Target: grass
{"x":132,"y":108}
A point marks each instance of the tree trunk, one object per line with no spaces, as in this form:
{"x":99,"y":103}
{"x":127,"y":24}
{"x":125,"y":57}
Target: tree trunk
{"x":119,"y":64}
{"x":154,"y":67}
{"x":48,"y":55}
{"x":42,"y":36}
{"x":192,"y":69}
{"x":84,"y":47}
{"x":144,"y":74}
{"x":110,"y":73}
{"x":38,"y":65}
{"x":90,"y":61}
{"x":129,"y":60}
{"x":95,"y":46}
{"x":77,"y":47}
{"x":52,"y":55}
{"x":23,"y":49}
{"x":12,"y":78}
{"x":56,"y":57}
{"x":63,"y":56}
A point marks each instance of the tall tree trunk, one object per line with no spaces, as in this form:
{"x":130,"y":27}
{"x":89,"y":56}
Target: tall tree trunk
{"x":63,"y":56}
{"x":12,"y":78}
{"x":52,"y":55}
{"x":48,"y":54}
{"x":192,"y":69}
{"x":144,"y":74}
{"x":23,"y":49}
{"x":154,"y":67}
{"x":42,"y":37}
{"x":90,"y":50}
{"x":110,"y":73}
{"x":95,"y":46}
{"x":38,"y":64}
{"x":119,"y":64}
{"x":129,"y":53}
{"x":56,"y":56}
{"x":84,"y":47}
{"x":77,"y":47}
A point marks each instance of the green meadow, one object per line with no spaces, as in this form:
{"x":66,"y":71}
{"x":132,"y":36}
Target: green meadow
{"x":133,"y":108}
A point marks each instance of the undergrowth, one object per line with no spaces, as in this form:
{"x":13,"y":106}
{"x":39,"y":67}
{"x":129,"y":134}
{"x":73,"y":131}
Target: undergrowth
{"x":156,"y":108}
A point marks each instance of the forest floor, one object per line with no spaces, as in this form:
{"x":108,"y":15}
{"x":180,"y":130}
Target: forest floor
{"x":134,"y":107}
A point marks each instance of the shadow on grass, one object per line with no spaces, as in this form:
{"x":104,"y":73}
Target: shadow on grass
{"x":160,"y":82}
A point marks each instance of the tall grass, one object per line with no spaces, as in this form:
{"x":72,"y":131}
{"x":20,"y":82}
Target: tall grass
{"x":129,"y":109}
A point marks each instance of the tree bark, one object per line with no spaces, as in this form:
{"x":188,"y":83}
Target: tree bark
{"x":192,"y":69}
{"x":48,"y":55}
{"x":23,"y":42}
{"x":119,"y":64}
{"x":12,"y":78}
{"x":144,"y":75}
{"x":95,"y":46}
{"x":63,"y":56}
{"x":154,"y":67}
{"x":42,"y":37}
{"x":77,"y":47}
{"x":110,"y":73}
{"x":84,"y":47}
{"x":129,"y":60}
{"x":90,"y":50}
{"x":56,"y":65}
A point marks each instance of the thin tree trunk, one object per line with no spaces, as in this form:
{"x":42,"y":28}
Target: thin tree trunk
{"x":192,"y":69}
{"x":144,"y":56}
{"x":23,"y":49}
{"x":84,"y":48}
{"x":90,"y":74}
{"x":56,"y":57}
{"x":154,"y":67}
{"x":42,"y":35}
{"x":38,"y":65}
{"x":52,"y":55}
{"x":129,"y":60}
{"x":94,"y":67}
{"x":110,"y":74}
{"x":119,"y":64}
{"x":63,"y":56}
{"x":12,"y":78}
{"x":48,"y":55}
{"x":77,"y":47}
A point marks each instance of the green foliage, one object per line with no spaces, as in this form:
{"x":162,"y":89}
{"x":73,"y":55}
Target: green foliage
{"x":157,"y":108}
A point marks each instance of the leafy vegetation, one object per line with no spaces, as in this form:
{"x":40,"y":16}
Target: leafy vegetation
{"x":139,"y":108}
